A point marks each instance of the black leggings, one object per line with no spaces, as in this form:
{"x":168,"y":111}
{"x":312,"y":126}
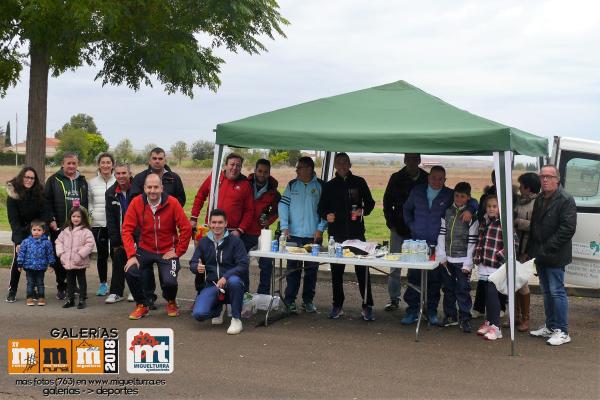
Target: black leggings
{"x":101,"y":237}
{"x":79,"y":276}
{"x":15,"y":274}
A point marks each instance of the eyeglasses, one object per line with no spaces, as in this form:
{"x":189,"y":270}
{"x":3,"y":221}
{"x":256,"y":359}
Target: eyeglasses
{"x":31,"y":178}
{"x":547,"y":177}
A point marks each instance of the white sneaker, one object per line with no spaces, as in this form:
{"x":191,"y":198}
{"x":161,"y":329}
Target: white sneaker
{"x":113,"y":298}
{"x":130,"y":298}
{"x":235,"y":327}
{"x":502,"y":314}
{"x":558,"y":337}
{"x":542,"y":331}
{"x":219,"y":320}
{"x":493,"y":333}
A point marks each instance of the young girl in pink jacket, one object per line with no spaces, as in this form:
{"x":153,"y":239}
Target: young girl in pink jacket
{"x":74,"y":246}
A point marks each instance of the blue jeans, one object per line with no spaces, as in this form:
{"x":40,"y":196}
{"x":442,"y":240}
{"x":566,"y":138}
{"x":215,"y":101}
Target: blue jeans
{"x":264,"y":264}
{"x":556,"y":305}
{"x":294,"y":275}
{"x":207,"y":303}
{"x":35,"y":279}
{"x":394,"y":283}
{"x":457,"y":289}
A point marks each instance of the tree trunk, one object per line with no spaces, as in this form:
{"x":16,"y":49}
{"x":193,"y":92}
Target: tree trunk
{"x":37,"y":109}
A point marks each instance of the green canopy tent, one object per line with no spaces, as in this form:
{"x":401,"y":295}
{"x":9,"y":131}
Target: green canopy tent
{"x":392,"y":118}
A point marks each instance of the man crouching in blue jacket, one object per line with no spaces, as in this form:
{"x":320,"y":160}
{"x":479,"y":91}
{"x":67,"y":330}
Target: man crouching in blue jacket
{"x":224,"y":260}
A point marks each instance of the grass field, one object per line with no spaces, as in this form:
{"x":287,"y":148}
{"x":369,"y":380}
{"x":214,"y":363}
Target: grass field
{"x":376,"y":176}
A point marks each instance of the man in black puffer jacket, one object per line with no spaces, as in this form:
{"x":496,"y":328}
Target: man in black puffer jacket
{"x":64,"y":190}
{"x":396,"y":193}
{"x":553,"y":224}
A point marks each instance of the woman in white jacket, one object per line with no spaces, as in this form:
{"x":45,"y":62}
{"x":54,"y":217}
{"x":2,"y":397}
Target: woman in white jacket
{"x":97,"y":188}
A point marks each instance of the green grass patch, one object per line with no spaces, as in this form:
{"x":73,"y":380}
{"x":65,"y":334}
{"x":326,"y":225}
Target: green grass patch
{"x":6,"y":260}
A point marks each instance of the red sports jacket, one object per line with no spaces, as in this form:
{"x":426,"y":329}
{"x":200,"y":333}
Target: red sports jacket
{"x":235,"y":198}
{"x":267,"y":203}
{"x":166,"y":230}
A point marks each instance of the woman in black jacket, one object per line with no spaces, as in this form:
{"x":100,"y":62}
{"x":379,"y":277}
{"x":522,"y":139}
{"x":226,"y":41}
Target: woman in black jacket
{"x":24,"y":203}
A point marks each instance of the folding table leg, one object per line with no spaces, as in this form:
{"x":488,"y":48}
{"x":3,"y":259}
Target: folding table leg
{"x":272,"y":291}
{"x":422,"y":301}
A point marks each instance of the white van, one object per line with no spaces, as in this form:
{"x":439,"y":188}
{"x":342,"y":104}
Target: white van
{"x":578,"y":161}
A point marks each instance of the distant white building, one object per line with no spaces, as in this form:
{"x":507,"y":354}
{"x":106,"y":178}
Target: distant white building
{"x":21,"y":148}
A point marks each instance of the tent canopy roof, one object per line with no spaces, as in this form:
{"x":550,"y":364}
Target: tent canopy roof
{"x":392,"y":118}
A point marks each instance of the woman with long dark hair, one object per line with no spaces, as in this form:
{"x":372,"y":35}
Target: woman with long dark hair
{"x":24,"y":203}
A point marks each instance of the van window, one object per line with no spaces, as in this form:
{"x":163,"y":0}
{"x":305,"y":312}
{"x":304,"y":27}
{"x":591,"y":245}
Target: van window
{"x":581,"y":178}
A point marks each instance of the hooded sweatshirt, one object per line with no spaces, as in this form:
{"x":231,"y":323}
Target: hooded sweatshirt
{"x":60,"y":193}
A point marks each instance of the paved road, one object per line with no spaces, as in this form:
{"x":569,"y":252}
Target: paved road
{"x":312,"y":357}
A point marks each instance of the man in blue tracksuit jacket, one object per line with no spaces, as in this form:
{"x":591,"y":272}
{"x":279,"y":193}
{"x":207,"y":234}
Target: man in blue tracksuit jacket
{"x":223,"y":259}
{"x":301,"y":224}
{"x":423,"y":212}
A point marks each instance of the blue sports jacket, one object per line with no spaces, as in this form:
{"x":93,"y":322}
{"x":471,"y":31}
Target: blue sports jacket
{"x":298,"y":208}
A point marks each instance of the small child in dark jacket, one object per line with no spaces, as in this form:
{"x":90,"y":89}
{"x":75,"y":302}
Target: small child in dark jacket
{"x":222,"y":257}
{"x":455,"y":246}
{"x":34,"y":256}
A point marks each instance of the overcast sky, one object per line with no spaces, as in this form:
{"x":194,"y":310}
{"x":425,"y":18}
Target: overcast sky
{"x":533,"y":65}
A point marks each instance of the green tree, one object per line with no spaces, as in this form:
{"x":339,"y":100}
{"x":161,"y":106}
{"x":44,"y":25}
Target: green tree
{"x":7,"y":140}
{"x":132,"y":41}
{"x":202,"y":150}
{"x":180,"y":151}
{"x":79,"y":121}
{"x":288,"y":157}
{"x":124,"y":151}
{"x":97,"y":146}
{"x":148,"y":148}
{"x":74,"y":140}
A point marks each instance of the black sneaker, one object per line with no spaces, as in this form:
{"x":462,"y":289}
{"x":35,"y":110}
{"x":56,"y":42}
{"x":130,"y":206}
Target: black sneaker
{"x":465,"y":326}
{"x":11,"y":297}
{"x":70,"y":303}
{"x":449,"y":321}
{"x":81,"y":305}
{"x":61,"y":295}
{"x":392,"y":305}
{"x":151,"y":305}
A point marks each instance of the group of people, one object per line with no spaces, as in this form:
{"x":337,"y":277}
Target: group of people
{"x":139,"y":221}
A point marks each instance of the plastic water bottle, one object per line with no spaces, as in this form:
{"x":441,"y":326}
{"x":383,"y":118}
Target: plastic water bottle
{"x":413,"y":251}
{"x":331,"y":247}
{"x":405,"y":249}
{"x":422,"y":251}
{"x":282,"y":242}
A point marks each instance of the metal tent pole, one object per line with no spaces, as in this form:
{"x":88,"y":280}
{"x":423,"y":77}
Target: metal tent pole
{"x":503,"y":173}
{"x":214,"y":192}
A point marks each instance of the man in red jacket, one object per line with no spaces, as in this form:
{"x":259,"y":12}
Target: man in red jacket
{"x":165,"y":234}
{"x":235,"y":198}
{"x":266,"y":198}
